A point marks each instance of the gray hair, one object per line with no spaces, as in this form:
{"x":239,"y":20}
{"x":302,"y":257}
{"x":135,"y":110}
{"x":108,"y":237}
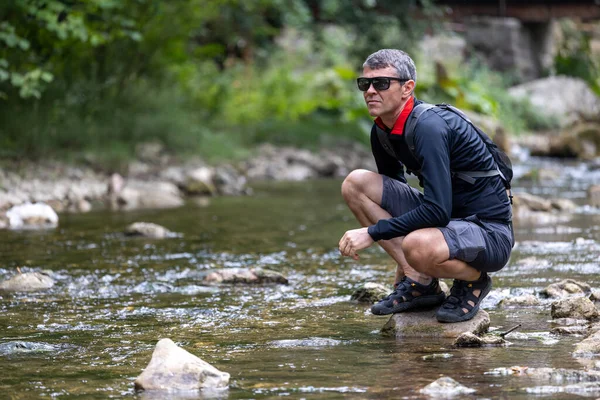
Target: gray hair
{"x":404,"y":65}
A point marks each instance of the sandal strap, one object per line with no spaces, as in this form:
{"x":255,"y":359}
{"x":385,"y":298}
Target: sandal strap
{"x":404,"y":290}
{"x":462,"y":292}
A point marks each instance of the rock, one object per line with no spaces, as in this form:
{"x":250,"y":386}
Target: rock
{"x":595,"y":296}
{"x":531,"y":202}
{"x":174,"y":369}
{"x":139,"y":194}
{"x":565,"y":288}
{"x":370,"y":293}
{"x":550,"y":375}
{"x":540,"y":175}
{"x":468,"y":339}
{"x":148,"y":229}
{"x":199,"y":181}
{"x":245,"y":275}
{"x":565,"y":205}
{"x":229,"y":182}
{"x":28,"y":215}
{"x":593,"y":194}
{"x":27,"y":282}
{"x":424,"y":324}
{"x":528,"y":300}
{"x":576,"y":307}
{"x":589,"y":346}
{"x":570,"y":330}
{"x":16,"y":347}
{"x":577,"y":101}
{"x":445,"y":387}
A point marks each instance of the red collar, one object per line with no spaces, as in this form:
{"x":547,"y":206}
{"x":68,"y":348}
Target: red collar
{"x":398,"y":128}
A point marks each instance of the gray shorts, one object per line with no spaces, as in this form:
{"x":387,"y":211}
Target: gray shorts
{"x":484,"y":245}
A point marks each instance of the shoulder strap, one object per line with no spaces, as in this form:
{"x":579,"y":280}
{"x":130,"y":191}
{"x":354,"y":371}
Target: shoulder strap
{"x":409,"y":128}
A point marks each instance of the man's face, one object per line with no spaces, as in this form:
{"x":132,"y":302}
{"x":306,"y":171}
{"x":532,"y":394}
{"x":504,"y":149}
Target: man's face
{"x":384,"y":103}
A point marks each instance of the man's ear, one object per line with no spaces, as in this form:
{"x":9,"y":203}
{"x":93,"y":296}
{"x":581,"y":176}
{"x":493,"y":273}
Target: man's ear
{"x":408,"y":88}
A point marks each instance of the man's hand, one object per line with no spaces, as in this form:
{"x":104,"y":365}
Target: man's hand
{"x":353,"y":241}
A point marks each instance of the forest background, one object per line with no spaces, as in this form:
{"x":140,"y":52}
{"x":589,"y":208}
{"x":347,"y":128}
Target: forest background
{"x":87,"y":81}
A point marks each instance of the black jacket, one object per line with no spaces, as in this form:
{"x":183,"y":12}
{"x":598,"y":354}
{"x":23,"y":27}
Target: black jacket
{"x":444,"y":142}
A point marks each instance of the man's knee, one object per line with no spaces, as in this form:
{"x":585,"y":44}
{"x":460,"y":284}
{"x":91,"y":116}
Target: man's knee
{"x":356,"y":183}
{"x":425,"y":248}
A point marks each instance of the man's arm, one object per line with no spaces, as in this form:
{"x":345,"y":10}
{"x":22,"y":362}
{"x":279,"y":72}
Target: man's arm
{"x":432,"y":150}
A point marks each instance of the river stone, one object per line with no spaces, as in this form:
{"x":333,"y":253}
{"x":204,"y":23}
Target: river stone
{"x":575,"y":307}
{"x":445,"y":387}
{"x":565,"y":288}
{"x":16,"y":347}
{"x":28,"y":215}
{"x":589,"y":346}
{"x":570,"y":330}
{"x":174,"y":369}
{"x":200,"y":181}
{"x":370,"y":293}
{"x":424,"y":324}
{"x":27,"y":282}
{"x":593,"y":194}
{"x":245,"y":275}
{"x":527,"y":300}
{"x":468,"y":339}
{"x":148,"y":229}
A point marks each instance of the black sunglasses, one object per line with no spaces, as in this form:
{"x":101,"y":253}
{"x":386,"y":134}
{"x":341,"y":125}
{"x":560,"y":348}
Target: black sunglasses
{"x":379,"y":82}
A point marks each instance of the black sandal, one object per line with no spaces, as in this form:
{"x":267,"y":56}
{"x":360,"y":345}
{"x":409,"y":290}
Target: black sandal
{"x":463,"y":304}
{"x":408,"y":295}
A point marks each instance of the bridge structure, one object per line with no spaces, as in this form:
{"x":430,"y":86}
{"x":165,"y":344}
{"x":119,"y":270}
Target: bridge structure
{"x":524,"y":10}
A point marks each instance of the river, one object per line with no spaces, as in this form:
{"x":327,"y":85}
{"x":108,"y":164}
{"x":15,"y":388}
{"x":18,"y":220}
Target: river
{"x":116,"y":296}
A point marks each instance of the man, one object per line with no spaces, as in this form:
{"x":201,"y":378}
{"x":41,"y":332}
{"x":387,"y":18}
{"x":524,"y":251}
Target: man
{"x":455,"y":228}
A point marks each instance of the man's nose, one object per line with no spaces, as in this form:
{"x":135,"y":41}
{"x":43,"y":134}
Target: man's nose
{"x":371,"y":89}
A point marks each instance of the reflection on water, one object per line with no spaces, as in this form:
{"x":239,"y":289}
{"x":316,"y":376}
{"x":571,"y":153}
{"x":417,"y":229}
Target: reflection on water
{"x":116,"y":296}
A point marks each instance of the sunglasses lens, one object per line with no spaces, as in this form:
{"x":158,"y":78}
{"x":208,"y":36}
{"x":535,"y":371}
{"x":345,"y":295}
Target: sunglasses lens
{"x":381,"y":83}
{"x":363,"y":84}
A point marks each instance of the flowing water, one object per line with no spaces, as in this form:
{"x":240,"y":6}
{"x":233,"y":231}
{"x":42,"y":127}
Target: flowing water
{"x":116,"y":296}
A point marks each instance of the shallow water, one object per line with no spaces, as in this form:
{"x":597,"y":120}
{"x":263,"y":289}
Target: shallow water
{"x":116,"y":296}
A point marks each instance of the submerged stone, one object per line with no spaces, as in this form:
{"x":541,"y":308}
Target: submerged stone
{"x":446,"y":387}
{"x":245,"y":275}
{"x":424,"y":324}
{"x":17,"y":347}
{"x":174,"y":369}
{"x":468,"y":339}
{"x":370,"y":293}
{"x":27,"y":282}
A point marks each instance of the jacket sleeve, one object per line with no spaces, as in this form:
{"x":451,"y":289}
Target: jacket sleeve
{"x":386,"y":164}
{"x":432,"y":150}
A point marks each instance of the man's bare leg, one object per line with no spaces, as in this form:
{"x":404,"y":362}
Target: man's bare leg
{"x":362,"y":191}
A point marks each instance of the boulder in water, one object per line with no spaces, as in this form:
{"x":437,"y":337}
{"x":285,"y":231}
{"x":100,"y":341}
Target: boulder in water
{"x":370,"y":293}
{"x":245,"y":275}
{"x":574,"y":307}
{"x":174,"y":369}
{"x":445,"y":387}
{"x":27,"y":282}
{"x":424,"y":324}
{"x":148,"y":229}
{"x":32,"y":216}
{"x":565,"y":288}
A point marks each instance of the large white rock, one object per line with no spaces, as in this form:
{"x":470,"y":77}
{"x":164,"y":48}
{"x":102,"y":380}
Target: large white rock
{"x":174,"y":369}
{"x":576,"y":99}
{"x":28,"y":215}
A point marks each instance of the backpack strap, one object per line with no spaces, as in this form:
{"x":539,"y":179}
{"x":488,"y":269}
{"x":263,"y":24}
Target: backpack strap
{"x":409,"y":128}
{"x":385,"y":141}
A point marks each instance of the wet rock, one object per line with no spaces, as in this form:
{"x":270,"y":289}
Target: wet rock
{"x":595,"y":296}
{"x":549,"y":375}
{"x":148,"y":229}
{"x":245,"y":275}
{"x":424,"y":324}
{"x":564,"y":205}
{"x":532,"y":202}
{"x":199,"y":181}
{"x":27,"y":282}
{"x":528,"y":300}
{"x":593,"y":194}
{"x":315,"y":342}
{"x":174,"y":369}
{"x":468,"y":339}
{"x":445,"y":387}
{"x":570,"y":330}
{"x":230,"y":182}
{"x":32,"y":216}
{"x":566,"y":288}
{"x":589,"y":346}
{"x":19,"y":347}
{"x":370,"y":293}
{"x":576,"y":307}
